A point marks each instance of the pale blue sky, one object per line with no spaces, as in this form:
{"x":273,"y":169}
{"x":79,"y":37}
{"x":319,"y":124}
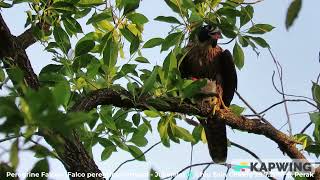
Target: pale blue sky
{"x":297,"y":51}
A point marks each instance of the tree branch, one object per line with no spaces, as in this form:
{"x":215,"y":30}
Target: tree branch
{"x":121,"y":98}
{"x":26,"y":39}
{"x":12,"y":49}
{"x":70,"y":149}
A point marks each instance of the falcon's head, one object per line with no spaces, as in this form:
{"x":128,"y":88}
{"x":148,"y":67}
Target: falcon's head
{"x":210,"y":34}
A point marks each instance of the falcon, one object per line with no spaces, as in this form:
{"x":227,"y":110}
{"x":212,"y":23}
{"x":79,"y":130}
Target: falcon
{"x":206,"y":60}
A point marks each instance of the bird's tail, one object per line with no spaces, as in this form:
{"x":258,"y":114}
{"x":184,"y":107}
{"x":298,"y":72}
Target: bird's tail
{"x":216,"y":135}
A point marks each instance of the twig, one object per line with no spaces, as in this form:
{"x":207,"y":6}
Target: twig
{"x":251,"y":108}
{"x":227,"y":172}
{"x":227,"y":41}
{"x":280,"y":75}
{"x":291,"y":95}
{"x":10,"y":137}
{"x":203,"y":171}
{"x":288,"y":100}
{"x":252,"y":154}
{"x":191,"y":158}
{"x":306,"y":127}
{"x":129,"y":160}
{"x":193,"y":165}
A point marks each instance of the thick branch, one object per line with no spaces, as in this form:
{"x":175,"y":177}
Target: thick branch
{"x":26,"y":39}
{"x":11,"y":49}
{"x":70,"y":149}
{"x":121,"y":98}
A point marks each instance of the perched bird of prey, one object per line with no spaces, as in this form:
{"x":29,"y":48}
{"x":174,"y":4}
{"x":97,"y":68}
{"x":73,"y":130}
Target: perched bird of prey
{"x":206,"y":60}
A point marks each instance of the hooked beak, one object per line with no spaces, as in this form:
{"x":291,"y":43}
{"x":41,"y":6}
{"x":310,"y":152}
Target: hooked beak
{"x":216,"y":34}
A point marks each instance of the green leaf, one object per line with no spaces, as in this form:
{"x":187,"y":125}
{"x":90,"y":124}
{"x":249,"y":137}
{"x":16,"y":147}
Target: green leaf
{"x":304,"y":139}
{"x":5,"y":5}
{"x":105,"y":15}
{"x":152,"y":114}
{"x":140,"y":141}
{"x":170,"y":63}
{"x":243,"y":40}
{"x":183,"y":134}
{"x":163,"y":131}
{"x":13,"y":117}
{"x":315,"y":149}
{"x":293,"y":12}
{"x":141,"y":59}
{"x":238,"y":56}
{"x":260,"y":28}
{"x":62,"y":39}
{"x":83,"y":61}
{"x":196,"y":133}
{"x":173,"y":5}
{"x":153,"y":175}
{"x":228,"y":12}
{"x":315,"y":117}
{"x":316,"y":93}
{"x":14,"y":159}
{"x":136,"y":119}
{"x":88,"y":3}
{"x":130,"y":5}
{"x":127,"y":34}
{"x":63,"y":7}
{"x":260,"y":41}
{"x":108,"y":122}
{"x":134,"y":46}
{"x":168,"y":19}
{"x":238,"y":110}
{"x":136,"y":153}
{"x":137,"y":18}
{"x":171,"y":40}
{"x":149,"y":83}
{"x":153,"y":43}
{"x":106,"y":153}
{"x":82,"y":13}
{"x":83,"y":47}
{"x":2,"y":75}
{"x":110,"y":51}
{"x":72,"y":26}
{"x":128,"y":68}
{"x":193,"y":88}
{"x":246,"y":14}
{"x":40,"y":168}
{"x":62,"y":93}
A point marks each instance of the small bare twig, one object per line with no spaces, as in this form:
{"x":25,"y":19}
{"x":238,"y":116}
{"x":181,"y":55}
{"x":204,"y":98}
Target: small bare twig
{"x":306,"y":127}
{"x":224,"y":43}
{"x":291,"y":95}
{"x":287,"y":100}
{"x":191,"y":158}
{"x":227,"y":172}
{"x":252,"y":154}
{"x":203,"y":171}
{"x":193,"y":165}
{"x":280,"y":75}
{"x":251,"y":108}
{"x":123,"y":163}
{"x":10,"y":137}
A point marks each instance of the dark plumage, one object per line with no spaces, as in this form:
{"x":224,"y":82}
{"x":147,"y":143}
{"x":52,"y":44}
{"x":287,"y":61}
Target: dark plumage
{"x":205,"y":59}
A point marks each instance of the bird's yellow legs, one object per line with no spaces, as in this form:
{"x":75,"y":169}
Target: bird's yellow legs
{"x":216,"y":103}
